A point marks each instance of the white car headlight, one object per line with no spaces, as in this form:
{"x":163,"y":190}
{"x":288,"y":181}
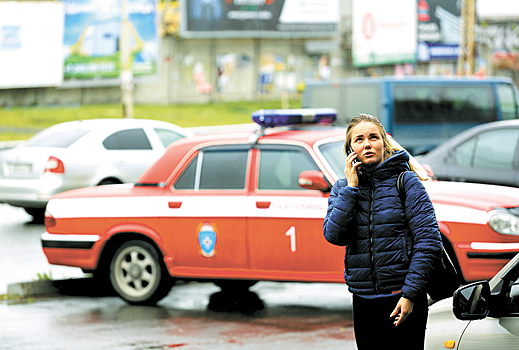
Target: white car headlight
{"x":503,"y":222}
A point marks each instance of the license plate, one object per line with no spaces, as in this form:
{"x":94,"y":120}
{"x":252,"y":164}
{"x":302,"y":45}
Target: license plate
{"x":19,"y":167}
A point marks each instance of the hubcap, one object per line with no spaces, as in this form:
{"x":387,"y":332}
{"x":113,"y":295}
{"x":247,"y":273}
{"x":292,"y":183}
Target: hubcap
{"x":135,"y":272}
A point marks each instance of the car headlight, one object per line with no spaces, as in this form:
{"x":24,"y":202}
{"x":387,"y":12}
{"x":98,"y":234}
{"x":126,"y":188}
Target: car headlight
{"x":503,"y":222}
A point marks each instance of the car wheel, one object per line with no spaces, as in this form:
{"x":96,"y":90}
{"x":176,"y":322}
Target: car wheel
{"x":137,"y":274}
{"x":37,"y":213}
{"x":235,"y":285}
{"x":109,"y":182}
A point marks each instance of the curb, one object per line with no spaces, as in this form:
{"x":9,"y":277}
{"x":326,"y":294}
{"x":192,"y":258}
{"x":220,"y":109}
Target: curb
{"x":68,"y":287}
{"x":30,"y":289}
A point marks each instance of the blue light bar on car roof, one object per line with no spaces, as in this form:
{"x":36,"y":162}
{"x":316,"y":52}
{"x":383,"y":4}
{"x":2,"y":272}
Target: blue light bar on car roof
{"x":270,"y":118}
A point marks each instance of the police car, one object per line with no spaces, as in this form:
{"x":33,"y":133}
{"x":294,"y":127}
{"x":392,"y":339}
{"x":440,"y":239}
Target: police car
{"x":241,"y":206}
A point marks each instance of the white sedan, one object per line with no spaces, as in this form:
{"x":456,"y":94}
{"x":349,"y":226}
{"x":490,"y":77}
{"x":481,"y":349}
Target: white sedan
{"x":481,"y":315}
{"x":80,"y":154}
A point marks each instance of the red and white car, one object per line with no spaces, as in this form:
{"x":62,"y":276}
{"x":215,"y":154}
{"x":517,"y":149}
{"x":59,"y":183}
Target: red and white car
{"x":241,"y":206}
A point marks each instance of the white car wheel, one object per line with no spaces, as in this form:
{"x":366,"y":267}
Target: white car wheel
{"x":136,"y":273}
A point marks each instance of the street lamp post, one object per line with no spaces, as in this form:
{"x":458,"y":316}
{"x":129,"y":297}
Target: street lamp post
{"x":467,"y":44}
{"x":126,"y":64}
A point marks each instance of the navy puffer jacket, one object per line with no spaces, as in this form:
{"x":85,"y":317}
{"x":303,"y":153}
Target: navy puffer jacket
{"x":371,"y":222}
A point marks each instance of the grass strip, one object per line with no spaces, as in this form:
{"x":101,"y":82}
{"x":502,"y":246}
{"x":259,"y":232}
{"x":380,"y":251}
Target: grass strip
{"x":22,"y":123}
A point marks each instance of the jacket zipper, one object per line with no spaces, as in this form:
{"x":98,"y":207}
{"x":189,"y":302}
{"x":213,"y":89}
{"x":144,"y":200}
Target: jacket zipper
{"x":372,"y":251}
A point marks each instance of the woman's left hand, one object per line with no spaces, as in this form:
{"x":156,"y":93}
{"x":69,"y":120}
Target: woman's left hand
{"x":402,"y":310}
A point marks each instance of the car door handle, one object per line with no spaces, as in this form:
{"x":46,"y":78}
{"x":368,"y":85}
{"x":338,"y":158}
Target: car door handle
{"x":262,"y":205}
{"x":174,"y":205}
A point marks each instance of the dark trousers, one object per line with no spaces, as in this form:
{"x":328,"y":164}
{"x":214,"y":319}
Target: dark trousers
{"x":374,"y":329}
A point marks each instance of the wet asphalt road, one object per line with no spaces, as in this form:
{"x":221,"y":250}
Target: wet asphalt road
{"x":21,"y":256}
{"x":193,"y":316}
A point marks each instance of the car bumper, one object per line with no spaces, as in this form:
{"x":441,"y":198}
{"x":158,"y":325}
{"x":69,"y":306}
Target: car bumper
{"x":71,"y":250}
{"x":482,"y":260}
{"x":30,"y":192}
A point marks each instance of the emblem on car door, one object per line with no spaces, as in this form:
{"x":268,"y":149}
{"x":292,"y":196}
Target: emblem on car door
{"x":207,"y":239}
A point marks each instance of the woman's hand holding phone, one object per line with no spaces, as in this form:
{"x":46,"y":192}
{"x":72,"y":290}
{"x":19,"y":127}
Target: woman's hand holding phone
{"x":351,"y":169}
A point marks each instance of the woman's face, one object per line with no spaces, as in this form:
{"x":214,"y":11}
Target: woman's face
{"x":367,"y":142}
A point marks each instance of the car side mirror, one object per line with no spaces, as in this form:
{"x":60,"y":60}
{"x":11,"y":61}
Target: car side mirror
{"x":313,"y":180}
{"x":472,"y":302}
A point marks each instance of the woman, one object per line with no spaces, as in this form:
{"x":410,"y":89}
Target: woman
{"x":390,"y":249}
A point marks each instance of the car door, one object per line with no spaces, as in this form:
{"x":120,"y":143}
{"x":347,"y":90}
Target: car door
{"x":285,"y":227}
{"x":206,"y":231}
{"x":496,"y":333}
{"x":488,"y":157}
{"x":130,"y":153}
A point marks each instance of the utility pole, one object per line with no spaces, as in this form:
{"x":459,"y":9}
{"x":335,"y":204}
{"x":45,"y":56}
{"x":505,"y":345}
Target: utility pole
{"x":126,"y":64}
{"x":468,"y":43}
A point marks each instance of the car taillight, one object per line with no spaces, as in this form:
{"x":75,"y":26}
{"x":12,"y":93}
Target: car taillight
{"x":54,"y":165}
{"x":49,"y":220}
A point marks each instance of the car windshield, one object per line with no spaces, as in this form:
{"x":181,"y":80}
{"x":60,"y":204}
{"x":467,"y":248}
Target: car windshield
{"x":334,"y":155}
{"x":56,"y":138}
{"x":333,"y":152}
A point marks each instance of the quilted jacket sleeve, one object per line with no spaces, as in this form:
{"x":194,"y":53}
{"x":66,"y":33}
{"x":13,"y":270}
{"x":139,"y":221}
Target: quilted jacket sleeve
{"x":427,"y":246}
{"x":340,"y":214}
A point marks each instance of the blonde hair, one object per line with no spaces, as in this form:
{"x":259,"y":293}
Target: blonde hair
{"x":389,"y":149}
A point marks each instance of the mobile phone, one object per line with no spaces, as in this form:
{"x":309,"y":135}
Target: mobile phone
{"x":350,"y":150}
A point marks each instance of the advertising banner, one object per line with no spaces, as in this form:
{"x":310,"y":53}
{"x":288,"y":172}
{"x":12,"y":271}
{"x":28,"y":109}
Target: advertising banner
{"x":30,"y":44}
{"x":92,"y":32}
{"x":259,"y":18}
{"x":439,"y":30}
{"x":437,"y":51}
{"x":497,"y":10}
{"x":384,"y":32}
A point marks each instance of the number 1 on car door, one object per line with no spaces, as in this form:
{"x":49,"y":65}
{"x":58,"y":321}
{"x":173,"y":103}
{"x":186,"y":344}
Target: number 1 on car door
{"x":292,"y":234}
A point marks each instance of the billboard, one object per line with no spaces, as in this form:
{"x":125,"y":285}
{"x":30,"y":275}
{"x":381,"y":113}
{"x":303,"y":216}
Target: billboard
{"x":30,"y":44}
{"x":498,"y":10}
{"x":91,"y":40}
{"x":259,"y":18}
{"x":439,"y":30}
{"x":383,"y":32}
